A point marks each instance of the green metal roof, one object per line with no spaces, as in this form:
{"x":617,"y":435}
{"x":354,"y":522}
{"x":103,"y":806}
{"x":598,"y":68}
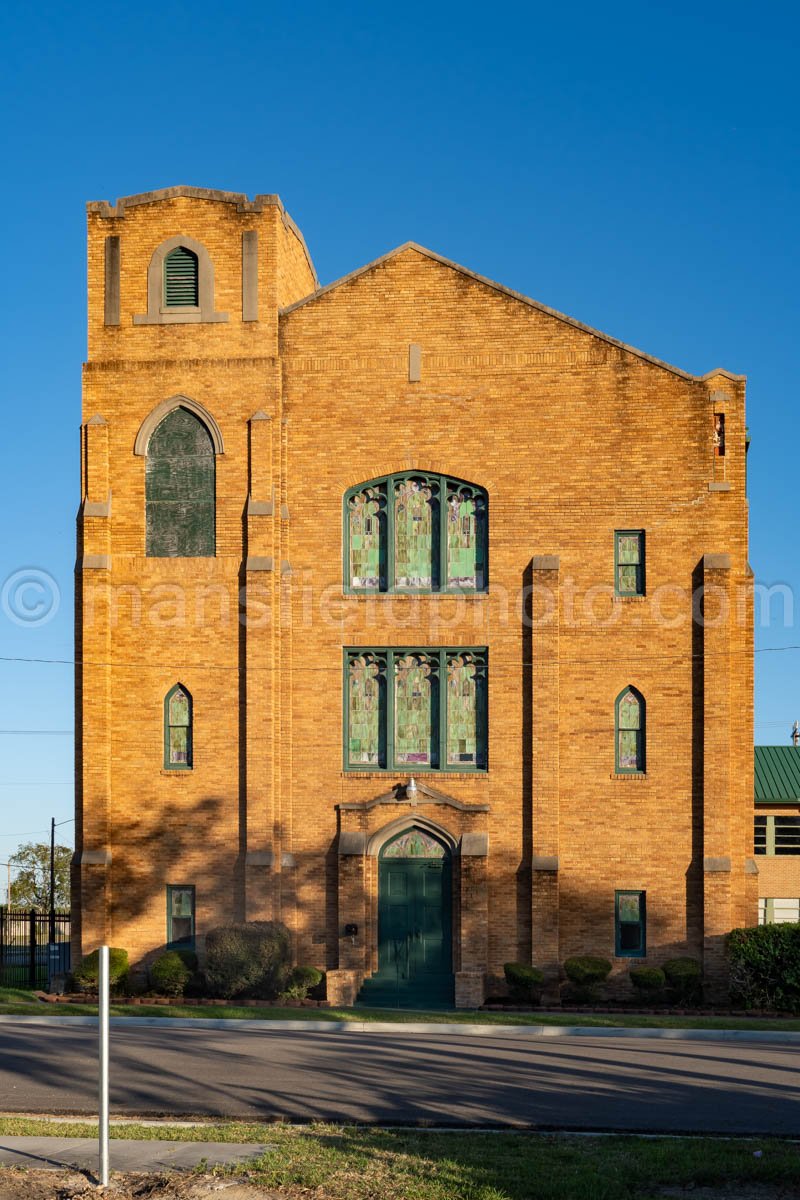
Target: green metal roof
{"x":777,"y":774}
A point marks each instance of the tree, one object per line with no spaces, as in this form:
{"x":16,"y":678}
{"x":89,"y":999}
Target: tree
{"x":30,"y":887}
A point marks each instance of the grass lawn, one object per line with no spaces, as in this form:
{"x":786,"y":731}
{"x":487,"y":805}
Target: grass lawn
{"x":351,"y":1163}
{"x":20,"y":1001}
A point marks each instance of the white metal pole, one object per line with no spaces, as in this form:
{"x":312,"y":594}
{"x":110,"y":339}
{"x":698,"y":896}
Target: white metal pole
{"x":102,"y":1008}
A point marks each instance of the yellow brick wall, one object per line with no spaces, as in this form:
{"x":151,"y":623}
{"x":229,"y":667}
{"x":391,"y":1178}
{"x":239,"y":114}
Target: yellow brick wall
{"x":572,"y":437}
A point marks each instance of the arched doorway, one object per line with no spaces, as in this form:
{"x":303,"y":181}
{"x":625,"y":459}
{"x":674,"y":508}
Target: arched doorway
{"x":415,"y":923}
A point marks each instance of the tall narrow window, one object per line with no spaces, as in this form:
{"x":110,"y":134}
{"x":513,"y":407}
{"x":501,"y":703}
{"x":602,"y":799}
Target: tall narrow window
{"x":466,"y":537}
{"x":416,"y":710}
{"x":180,"y":278}
{"x":178,"y":729}
{"x":416,"y":532}
{"x":366,"y":529}
{"x":630,"y":731}
{"x":366,"y":716}
{"x":466,"y":710}
{"x":180,"y":915}
{"x":629,"y":562}
{"x":630,"y":925}
{"x":180,"y":488}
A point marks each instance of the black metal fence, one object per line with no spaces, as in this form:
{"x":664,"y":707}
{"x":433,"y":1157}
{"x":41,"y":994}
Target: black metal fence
{"x":34,"y":946}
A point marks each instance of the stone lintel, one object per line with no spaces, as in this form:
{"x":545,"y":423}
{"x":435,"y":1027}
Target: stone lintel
{"x":716,"y":562}
{"x":352,"y":843}
{"x":544,"y":862}
{"x":93,"y":858}
{"x":474,"y":845}
{"x":259,"y":858}
{"x":260,"y":508}
{"x":96,"y":562}
{"x":256,"y":562}
{"x":546,"y":562}
{"x":712,"y":865}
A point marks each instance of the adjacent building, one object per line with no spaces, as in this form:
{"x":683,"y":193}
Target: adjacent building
{"x":410,"y":612}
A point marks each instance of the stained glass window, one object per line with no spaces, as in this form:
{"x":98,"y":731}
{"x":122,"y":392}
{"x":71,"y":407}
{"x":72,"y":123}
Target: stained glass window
{"x":466,"y":538}
{"x":414,"y":843}
{"x":367,"y":538}
{"x":630,"y":731}
{"x":180,"y":915}
{"x":466,"y":702}
{"x":366,"y":716}
{"x":416,"y":531}
{"x":416,"y":711}
{"x":630,"y":925}
{"x":629,"y":562}
{"x":178,"y":729}
{"x":180,"y":489}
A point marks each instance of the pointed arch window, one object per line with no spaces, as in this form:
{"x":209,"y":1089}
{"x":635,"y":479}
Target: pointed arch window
{"x":178,"y":729}
{"x":180,"y":488}
{"x":630,"y":732}
{"x":416,"y":532}
{"x":181,"y":276}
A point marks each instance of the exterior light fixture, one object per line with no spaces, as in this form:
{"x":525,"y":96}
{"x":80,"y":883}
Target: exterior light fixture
{"x":411,"y":788}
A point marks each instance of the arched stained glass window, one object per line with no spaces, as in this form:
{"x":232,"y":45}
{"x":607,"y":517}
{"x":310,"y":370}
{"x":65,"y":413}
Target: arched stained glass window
{"x":416,"y":532}
{"x":180,"y":278}
{"x":180,"y":488}
{"x":414,"y":843}
{"x":178,"y":729}
{"x":630,"y":731}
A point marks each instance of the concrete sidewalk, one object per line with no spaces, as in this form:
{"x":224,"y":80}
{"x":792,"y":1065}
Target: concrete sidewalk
{"x":55,"y":1153}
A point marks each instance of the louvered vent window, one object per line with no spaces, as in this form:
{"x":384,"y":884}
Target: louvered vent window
{"x":180,"y":279}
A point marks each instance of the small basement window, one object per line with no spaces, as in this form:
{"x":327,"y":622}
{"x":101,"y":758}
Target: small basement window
{"x":180,"y":915}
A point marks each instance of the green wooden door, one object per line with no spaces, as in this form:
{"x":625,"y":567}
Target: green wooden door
{"x":415,"y":922}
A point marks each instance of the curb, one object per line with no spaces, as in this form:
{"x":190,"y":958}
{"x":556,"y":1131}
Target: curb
{"x":416,"y":1027}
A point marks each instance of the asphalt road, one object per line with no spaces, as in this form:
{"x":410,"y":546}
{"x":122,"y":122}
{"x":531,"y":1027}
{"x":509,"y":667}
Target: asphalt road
{"x":553,"y":1082}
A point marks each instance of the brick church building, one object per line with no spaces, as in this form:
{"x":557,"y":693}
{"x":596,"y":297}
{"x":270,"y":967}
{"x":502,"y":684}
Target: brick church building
{"x":410,"y":612}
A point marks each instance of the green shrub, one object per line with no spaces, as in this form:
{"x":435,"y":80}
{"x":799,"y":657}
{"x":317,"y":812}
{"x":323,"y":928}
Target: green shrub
{"x":301,"y":981}
{"x":587,"y":969}
{"x":249,"y":959}
{"x":169,"y":974}
{"x":685,"y":978}
{"x":765,"y":966}
{"x":188,"y":958}
{"x":524,"y":982}
{"x":648,"y":979}
{"x":87,"y":976}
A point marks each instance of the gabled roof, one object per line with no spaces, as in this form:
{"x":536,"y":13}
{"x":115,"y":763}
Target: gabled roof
{"x":504,"y":291}
{"x":777,"y":774}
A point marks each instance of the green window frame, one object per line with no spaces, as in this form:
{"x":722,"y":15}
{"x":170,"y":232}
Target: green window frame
{"x":459,"y":512}
{"x":629,"y":562}
{"x":180,"y":916}
{"x":629,"y":732}
{"x":433,"y":681}
{"x":181,"y":278}
{"x":178,"y":729}
{"x":630,"y":924}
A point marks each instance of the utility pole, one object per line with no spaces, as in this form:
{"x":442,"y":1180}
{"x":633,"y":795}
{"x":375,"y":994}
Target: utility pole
{"x":8,"y":885}
{"x":52,"y":930}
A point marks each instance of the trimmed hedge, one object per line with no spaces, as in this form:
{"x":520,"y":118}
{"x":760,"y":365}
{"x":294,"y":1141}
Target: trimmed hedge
{"x":301,"y":981}
{"x":685,"y":977}
{"x":647,"y":979}
{"x":170,"y":974}
{"x":587,"y":969}
{"x":524,"y":982}
{"x":87,"y":975}
{"x":765,"y":966}
{"x":250,"y":959}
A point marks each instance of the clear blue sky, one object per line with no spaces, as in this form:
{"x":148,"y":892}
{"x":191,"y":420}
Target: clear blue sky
{"x":633,"y":165}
